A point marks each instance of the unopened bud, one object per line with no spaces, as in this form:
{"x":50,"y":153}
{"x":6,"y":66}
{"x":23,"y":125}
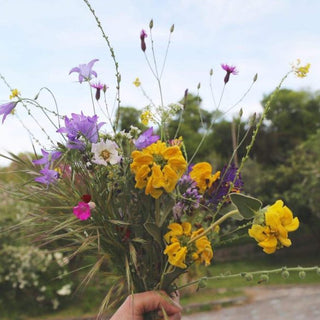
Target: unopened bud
{"x":255,"y":78}
{"x":203,"y":282}
{"x":211,"y":72}
{"x":151,"y":24}
{"x":172,"y":28}
{"x":318,"y":271}
{"x":264,"y":278}
{"x":105,"y":87}
{"x":240,"y":113}
{"x":199,"y":85}
{"x":285,"y":274}
{"x":302,"y":274}
{"x":249,"y":277}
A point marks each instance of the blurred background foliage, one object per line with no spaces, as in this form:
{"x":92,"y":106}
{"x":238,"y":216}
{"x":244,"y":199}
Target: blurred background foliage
{"x":284,"y":164}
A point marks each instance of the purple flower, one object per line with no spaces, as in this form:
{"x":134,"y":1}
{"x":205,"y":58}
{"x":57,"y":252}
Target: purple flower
{"x":85,"y":71}
{"x":229,"y":70}
{"x":47,"y":158}
{"x":48,"y":176}
{"x":82,"y":211}
{"x":81,"y":126}
{"x":146,"y":138}
{"x":98,"y":86}
{"x":143,"y":35}
{"x":7,"y":108}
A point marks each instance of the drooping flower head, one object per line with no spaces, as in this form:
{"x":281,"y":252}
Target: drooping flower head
{"x":201,"y":173}
{"x":85,"y":71}
{"x":143,"y":35}
{"x":81,"y":127}
{"x":229,"y":70}
{"x":273,"y":233}
{"x":146,"y":138}
{"x":48,"y":176}
{"x":105,"y":152}
{"x":158,"y":168}
{"x":99,"y":86}
{"x":6,"y":109}
{"x":47,"y":158}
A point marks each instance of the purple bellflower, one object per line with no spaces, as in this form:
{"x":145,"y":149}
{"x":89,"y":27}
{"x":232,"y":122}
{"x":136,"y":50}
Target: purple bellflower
{"x":7,"y":108}
{"x":81,"y":126}
{"x":85,"y":71}
{"x":47,"y":158}
{"x":146,"y":138}
{"x":48,"y":176}
{"x":229,"y":70}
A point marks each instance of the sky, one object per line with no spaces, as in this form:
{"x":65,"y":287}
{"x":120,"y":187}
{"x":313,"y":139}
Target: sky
{"x":42,"y":40}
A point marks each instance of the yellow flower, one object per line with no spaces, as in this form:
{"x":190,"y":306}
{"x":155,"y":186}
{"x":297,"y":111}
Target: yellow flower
{"x":14,"y":93}
{"x":137,"y":82}
{"x":201,"y":173}
{"x":301,"y":71}
{"x":178,"y":251}
{"x":145,"y":117}
{"x":274,"y":233}
{"x":158,"y":168}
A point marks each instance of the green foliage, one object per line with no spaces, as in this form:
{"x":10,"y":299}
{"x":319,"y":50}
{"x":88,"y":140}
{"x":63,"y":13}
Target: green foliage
{"x":129,"y":116}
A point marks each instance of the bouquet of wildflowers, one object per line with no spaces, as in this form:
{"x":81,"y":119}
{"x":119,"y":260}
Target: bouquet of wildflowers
{"x":133,"y":199}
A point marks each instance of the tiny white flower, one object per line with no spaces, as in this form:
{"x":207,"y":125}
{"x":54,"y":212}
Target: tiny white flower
{"x":105,"y":152}
{"x":65,"y":290}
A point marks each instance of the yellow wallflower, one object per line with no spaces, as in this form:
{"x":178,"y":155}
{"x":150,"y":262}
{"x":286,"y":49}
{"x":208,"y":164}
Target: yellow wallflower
{"x":201,"y":173}
{"x":14,"y":93}
{"x":274,"y":233}
{"x":301,"y":71}
{"x":145,"y":117}
{"x":158,"y":168}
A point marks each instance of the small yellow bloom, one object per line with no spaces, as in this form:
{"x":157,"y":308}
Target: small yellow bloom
{"x":301,"y":71}
{"x":14,"y":93}
{"x":158,"y":168}
{"x":274,"y":233}
{"x":137,"y":82}
{"x":201,"y":173}
{"x":145,"y":117}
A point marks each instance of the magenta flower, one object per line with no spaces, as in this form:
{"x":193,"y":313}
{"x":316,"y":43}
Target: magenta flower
{"x":146,"y":138}
{"x":48,"y":176}
{"x":7,"y":108}
{"x":229,"y":70}
{"x":85,"y":71}
{"x":143,"y":35}
{"x":98,"y":86}
{"x":47,"y":158}
{"x":82,"y":211}
{"x":81,"y":126}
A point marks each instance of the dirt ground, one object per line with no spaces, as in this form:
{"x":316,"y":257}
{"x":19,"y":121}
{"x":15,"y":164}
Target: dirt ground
{"x":272,"y":303}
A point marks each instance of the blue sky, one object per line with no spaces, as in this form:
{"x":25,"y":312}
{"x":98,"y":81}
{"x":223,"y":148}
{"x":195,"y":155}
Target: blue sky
{"x":41,"y":40}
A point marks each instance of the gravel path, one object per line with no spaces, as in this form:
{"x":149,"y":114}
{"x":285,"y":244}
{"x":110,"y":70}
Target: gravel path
{"x":273,"y":303}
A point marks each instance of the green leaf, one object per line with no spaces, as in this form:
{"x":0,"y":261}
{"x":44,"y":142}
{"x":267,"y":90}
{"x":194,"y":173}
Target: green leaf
{"x":247,"y":206}
{"x":231,"y":207}
{"x":154,"y":231}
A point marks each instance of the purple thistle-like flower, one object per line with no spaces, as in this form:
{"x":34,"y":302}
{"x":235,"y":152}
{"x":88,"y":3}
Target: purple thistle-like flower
{"x":85,"y":71}
{"x":143,"y":35}
{"x":146,"y":138}
{"x":48,"y":176}
{"x":221,"y":187}
{"x":47,"y":157}
{"x":230,"y":70}
{"x":81,"y":126}
{"x":7,"y":108}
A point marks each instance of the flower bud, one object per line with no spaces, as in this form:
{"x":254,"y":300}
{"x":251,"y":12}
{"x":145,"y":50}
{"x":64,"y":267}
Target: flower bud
{"x":172,"y":28}
{"x":203,"y":282}
{"x":318,"y":271}
{"x":255,"y":77}
{"x":264,"y":278}
{"x":249,"y":277}
{"x":199,"y":85}
{"x":151,"y":24}
{"x":302,"y":274}
{"x":285,"y":274}
{"x":240,"y":113}
{"x":211,"y":72}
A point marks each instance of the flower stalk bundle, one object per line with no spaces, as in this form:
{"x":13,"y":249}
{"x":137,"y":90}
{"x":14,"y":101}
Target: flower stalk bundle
{"x":133,"y":199}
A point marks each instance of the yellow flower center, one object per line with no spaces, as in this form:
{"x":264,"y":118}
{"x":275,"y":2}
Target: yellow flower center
{"x":105,"y":154}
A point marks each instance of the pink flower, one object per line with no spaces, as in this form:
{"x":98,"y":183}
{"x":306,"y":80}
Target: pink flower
{"x":143,"y":35}
{"x":82,"y":211}
{"x":229,"y":70}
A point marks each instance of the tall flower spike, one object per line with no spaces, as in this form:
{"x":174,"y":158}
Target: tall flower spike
{"x":229,"y":70}
{"x":85,"y":71}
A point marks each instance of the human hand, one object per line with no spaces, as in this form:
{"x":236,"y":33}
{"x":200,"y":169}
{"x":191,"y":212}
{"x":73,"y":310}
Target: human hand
{"x":137,"y":305}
